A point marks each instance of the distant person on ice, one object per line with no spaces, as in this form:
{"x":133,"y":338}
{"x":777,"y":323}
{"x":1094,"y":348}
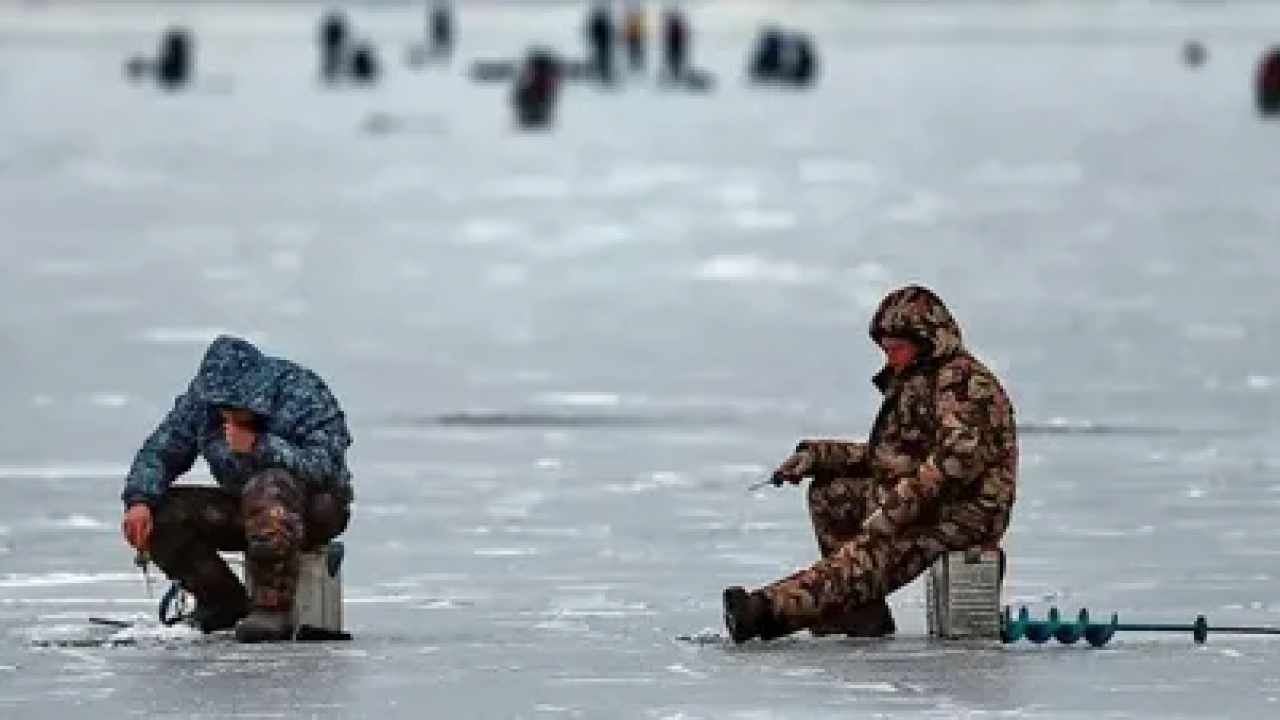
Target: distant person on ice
{"x":275,"y":439}
{"x":936,"y":474}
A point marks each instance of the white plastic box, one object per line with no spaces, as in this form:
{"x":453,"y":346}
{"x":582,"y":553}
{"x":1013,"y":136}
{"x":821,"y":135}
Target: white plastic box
{"x":318,"y":603}
{"x":962,"y":595}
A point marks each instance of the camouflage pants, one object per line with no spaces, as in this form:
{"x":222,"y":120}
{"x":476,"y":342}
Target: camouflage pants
{"x":274,"y":518}
{"x":857,"y":569}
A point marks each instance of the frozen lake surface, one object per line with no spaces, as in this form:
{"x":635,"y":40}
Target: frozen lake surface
{"x":658,"y":299}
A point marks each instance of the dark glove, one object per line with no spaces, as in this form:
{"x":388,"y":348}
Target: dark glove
{"x":794,"y":468}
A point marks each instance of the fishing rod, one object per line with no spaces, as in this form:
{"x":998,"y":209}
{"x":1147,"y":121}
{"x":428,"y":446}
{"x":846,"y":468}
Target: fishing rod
{"x":143,"y":561}
{"x":775,"y":481}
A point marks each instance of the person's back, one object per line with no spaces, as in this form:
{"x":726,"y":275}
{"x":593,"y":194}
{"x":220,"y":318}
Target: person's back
{"x":275,"y":440}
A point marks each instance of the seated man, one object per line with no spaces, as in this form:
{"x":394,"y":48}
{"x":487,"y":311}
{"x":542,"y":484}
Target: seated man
{"x":936,"y":474}
{"x":275,"y":439}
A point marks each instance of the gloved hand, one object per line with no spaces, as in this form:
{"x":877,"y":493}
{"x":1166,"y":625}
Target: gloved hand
{"x":794,"y":468}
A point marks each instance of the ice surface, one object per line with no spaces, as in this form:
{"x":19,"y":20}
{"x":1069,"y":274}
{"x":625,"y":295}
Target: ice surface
{"x":566,"y":356}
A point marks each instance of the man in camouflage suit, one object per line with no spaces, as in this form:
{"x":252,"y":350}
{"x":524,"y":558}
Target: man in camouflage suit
{"x":275,"y":439}
{"x":936,"y":474}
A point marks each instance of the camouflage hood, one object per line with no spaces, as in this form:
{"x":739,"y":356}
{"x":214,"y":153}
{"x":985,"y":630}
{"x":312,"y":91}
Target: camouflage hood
{"x":238,"y":375}
{"x":914,"y":312}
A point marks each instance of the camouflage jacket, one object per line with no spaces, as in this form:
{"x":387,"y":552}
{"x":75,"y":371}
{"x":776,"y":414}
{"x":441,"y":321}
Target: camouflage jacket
{"x":301,"y":427}
{"x":944,"y":445}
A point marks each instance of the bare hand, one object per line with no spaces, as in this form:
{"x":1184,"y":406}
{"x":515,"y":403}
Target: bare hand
{"x":137,"y":526}
{"x":794,"y":468}
{"x":239,"y":438}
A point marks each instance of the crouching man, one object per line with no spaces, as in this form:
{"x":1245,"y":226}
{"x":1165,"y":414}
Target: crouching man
{"x":275,"y":439}
{"x":936,"y":474}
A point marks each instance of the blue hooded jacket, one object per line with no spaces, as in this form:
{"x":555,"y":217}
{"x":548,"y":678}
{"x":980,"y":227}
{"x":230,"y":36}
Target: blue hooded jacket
{"x":302,"y":429}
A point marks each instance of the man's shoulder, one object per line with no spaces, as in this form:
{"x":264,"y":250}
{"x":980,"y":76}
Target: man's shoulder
{"x":303,"y":385}
{"x":964,"y":367}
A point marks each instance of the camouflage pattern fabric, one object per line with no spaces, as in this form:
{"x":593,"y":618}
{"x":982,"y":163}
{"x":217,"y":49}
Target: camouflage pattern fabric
{"x":937,"y":473}
{"x":302,"y":428}
{"x":276,"y":518}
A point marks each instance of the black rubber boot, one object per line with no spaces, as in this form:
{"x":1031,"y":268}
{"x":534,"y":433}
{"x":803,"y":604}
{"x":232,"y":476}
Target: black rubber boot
{"x":214,"y":618}
{"x":749,"y":615}
{"x":265,"y":626}
{"x":871,"y":620}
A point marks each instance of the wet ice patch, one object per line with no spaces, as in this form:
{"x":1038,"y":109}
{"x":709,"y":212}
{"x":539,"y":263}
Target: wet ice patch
{"x":68,"y":471}
{"x":1260,"y":383}
{"x":62,"y":579}
{"x":110,"y":400}
{"x":517,"y":504}
{"x":761,"y":219}
{"x":533,"y":187}
{"x":837,"y":172}
{"x":195,"y":336}
{"x":485,"y":231}
{"x":922,"y":209}
{"x":705,"y":636}
{"x":599,"y":606}
{"x":74,"y":522}
{"x":580,"y":399}
{"x":130,"y":632}
{"x":1018,"y":176}
{"x":754,"y":268}
{"x":1214,"y":332}
{"x":504,"y":552}
{"x":653,"y":481}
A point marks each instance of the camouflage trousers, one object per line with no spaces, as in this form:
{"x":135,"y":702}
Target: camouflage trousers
{"x":273,"y":519}
{"x":858,"y":569}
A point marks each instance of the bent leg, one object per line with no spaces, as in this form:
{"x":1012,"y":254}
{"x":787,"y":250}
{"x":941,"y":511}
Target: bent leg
{"x":327,"y":516}
{"x":864,"y":569}
{"x":191,"y":525}
{"x":274,"y":507}
{"x":837,"y":508}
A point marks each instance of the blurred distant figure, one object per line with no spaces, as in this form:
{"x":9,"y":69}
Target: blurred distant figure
{"x":441,"y":30}
{"x":1268,"y":82}
{"x":783,"y":58}
{"x":766,"y":61}
{"x":803,"y":69}
{"x":537,"y":89}
{"x":137,"y":68}
{"x":600,"y":42}
{"x":635,"y":35}
{"x":364,"y":66}
{"x":1194,"y":53}
{"x":333,"y":36}
{"x":173,"y":67}
{"x":675,"y":44}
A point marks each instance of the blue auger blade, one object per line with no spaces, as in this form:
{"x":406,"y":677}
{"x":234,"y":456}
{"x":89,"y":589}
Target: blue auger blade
{"x":1071,"y":633}
{"x":1100,"y":634}
{"x":1015,"y":630}
{"x":1040,"y":632}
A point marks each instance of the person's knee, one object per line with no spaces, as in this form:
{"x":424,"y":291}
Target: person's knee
{"x":275,"y":483}
{"x":327,"y":518}
{"x":273,"y":507}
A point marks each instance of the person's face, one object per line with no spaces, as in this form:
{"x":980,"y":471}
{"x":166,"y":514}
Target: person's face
{"x":898,"y":352}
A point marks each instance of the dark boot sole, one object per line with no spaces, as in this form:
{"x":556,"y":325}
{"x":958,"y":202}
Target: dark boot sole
{"x":255,"y":637}
{"x":736,"y":607}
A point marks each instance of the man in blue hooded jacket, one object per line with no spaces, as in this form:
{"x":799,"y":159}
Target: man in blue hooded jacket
{"x":275,"y":439}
